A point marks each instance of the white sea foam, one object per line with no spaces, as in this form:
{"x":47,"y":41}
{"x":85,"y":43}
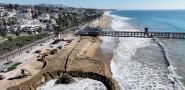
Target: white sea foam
{"x":131,"y":74}
{"x":83,"y":84}
{"x":107,"y":13}
{"x":173,"y":74}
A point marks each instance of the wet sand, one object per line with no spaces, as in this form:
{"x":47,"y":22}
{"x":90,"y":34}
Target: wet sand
{"x":106,"y":57}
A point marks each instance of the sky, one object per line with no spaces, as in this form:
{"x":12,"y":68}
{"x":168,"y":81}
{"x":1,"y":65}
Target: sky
{"x":110,"y":4}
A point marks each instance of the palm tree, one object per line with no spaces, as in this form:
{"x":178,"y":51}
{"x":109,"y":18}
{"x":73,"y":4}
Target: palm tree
{"x":4,"y":30}
{"x":57,"y":30}
{"x":10,"y":38}
{"x":29,"y":32}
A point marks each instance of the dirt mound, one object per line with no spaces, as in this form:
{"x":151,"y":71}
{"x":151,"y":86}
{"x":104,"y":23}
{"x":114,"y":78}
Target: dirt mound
{"x":80,"y":64}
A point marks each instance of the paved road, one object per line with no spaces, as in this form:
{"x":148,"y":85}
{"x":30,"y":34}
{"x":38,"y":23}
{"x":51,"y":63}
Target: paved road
{"x":27,"y":57}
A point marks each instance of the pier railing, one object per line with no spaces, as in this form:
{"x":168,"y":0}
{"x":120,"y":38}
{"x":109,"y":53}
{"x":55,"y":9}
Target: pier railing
{"x":175,"y":35}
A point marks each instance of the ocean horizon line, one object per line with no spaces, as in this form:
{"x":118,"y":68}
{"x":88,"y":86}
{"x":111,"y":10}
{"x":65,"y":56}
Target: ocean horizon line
{"x":148,"y":9}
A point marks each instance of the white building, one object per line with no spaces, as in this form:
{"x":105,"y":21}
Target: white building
{"x":44,"y":16}
{"x":12,"y":14}
{"x":3,"y":12}
{"x":32,"y":25}
{"x":55,"y":15}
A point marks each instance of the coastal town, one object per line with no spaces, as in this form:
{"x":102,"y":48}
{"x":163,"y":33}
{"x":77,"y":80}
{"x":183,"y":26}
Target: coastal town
{"x":37,"y":18}
{"x":31,"y":34}
{"x":57,"y":47}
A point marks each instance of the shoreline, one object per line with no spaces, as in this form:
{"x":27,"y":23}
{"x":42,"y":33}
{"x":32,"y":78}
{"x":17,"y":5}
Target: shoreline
{"x":100,"y":54}
{"x":170,"y":71}
{"x":78,"y":61}
{"x":83,"y":58}
{"x":168,"y":64}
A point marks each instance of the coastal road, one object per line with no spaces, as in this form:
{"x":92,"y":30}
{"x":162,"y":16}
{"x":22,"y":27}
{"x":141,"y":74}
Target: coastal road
{"x":26,"y":58}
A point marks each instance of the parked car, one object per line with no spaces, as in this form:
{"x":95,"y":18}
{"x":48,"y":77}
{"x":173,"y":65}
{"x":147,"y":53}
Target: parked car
{"x":28,"y":51}
{"x":8,"y":62}
{"x":5,"y":70}
{"x":56,"y":41}
{"x":51,"y":46}
{"x":37,"y":51}
{"x":60,"y":46}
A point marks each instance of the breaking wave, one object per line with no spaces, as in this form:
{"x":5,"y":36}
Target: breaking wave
{"x":125,"y":55}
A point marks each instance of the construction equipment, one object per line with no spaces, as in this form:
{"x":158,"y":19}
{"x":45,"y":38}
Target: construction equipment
{"x":25,"y":73}
{"x":2,"y":77}
{"x":54,"y":51}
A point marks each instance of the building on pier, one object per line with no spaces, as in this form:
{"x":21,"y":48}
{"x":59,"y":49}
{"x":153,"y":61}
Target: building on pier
{"x":89,"y":31}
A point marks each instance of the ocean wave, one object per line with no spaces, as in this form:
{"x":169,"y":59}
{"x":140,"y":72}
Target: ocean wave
{"x":172,"y":75}
{"x":126,"y":45}
{"x":124,"y":52}
{"x":79,"y":84}
{"x":108,"y":13}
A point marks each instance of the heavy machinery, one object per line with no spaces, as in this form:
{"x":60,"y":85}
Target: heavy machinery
{"x":2,"y":77}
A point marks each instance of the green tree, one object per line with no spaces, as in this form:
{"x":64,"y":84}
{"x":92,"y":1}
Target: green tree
{"x":16,"y":6}
{"x":57,"y":30}
{"x":10,"y":38}
{"x":29,"y":32}
{"x":3,"y":21}
{"x":4,"y":30}
{"x":18,"y":32}
{"x":10,"y":6}
{"x":39,"y":30}
{"x":4,"y":33}
{"x":12,"y":21}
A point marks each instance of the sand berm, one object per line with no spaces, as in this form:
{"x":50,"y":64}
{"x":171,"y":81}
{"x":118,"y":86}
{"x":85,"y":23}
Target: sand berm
{"x":82,"y":62}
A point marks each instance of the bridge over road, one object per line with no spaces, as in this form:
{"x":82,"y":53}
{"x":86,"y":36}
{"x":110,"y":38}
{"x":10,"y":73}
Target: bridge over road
{"x":173,"y":35}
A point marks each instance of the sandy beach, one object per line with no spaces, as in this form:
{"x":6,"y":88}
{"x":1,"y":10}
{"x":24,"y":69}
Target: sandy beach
{"x":87,"y":56}
{"x":138,"y":63}
{"x":123,"y":66}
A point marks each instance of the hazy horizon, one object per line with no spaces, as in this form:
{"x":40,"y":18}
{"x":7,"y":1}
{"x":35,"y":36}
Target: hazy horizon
{"x":103,"y":4}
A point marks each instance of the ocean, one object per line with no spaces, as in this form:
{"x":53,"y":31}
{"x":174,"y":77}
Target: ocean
{"x":140,"y":63}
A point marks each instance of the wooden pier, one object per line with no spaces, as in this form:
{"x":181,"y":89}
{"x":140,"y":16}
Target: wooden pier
{"x":173,"y":35}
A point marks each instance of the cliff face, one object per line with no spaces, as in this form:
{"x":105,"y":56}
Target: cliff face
{"x":79,"y":64}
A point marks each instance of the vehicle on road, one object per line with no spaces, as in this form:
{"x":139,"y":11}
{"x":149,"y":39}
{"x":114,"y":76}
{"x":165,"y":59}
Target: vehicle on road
{"x":8,"y":62}
{"x":28,"y":51}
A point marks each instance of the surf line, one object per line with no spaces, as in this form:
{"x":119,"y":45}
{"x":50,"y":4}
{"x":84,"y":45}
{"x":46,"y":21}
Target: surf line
{"x":171,"y":77}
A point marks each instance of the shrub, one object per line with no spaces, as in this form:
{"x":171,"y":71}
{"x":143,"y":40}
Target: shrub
{"x":19,"y":42}
{"x":13,"y":66}
{"x":65,"y":79}
{"x":10,"y":38}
